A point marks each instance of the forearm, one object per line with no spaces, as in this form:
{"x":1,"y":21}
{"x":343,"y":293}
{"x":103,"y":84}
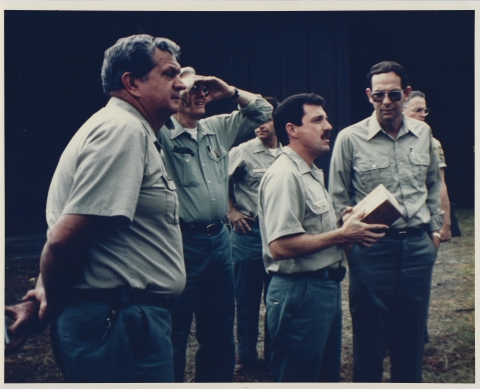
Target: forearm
{"x":445,"y":202}
{"x":64,"y":255}
{"x":304,"y":244}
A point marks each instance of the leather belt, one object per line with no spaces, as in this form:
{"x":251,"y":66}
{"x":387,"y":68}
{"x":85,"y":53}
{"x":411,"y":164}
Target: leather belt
{"x":124,"y":296}
{"x":209,"y":229}
{"x":402,"y":233}
{"x":327,"y":273}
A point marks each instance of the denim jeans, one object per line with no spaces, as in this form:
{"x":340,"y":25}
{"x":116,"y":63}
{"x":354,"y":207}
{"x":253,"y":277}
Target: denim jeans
{"x":389,"y":295}
{"x":251,"y":280}
{"x":305,"y":322}
{"x":137,"y":348}
{"x":209,"y":294}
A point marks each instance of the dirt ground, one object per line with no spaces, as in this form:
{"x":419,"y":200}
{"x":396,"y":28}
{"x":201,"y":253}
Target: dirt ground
{"x":449,"y":356}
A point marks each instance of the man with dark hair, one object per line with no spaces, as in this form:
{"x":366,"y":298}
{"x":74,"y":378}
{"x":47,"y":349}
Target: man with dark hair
{"x":302,"y":248}
{"x":390,"y":281}
{"x":248,"y":163}
{"x":196,"y":157}
{"x":113,"y":262}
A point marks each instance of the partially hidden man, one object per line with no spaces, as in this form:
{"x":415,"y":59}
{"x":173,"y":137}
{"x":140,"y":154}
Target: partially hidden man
{"x":113,"y":263}
{"x":390,"y":280}
{"x":302,"y":247}
{"x":196,"y":157}
{"x":248,"y":163}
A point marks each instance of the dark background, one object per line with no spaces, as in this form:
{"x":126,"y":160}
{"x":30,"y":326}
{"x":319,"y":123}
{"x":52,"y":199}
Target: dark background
{"x":53,"y":61}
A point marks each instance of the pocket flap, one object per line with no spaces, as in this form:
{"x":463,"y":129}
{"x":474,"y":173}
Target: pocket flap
{"x":365,"y":165}
{"x":420,"y":159}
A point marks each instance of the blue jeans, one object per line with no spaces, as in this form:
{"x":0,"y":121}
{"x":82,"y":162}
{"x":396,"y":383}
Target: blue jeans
{"x":305,"y":322}
{"x":389,"y":296}
{"x":209,"y":294}
{"x":137,"y":348}
{"x":251,"y":280}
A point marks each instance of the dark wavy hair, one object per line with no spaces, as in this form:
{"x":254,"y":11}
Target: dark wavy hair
{"x":291,"y":110}
{"x":132,"y":54}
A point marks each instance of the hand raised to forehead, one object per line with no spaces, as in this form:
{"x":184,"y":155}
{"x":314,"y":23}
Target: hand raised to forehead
{"x":189,"y":83}
{"x":218,"y":89}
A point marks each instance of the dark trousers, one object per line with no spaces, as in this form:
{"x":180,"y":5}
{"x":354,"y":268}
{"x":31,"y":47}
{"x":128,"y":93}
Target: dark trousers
{"x":389,"y":295}
{"x":209,"y":294}
{"x":305,"y":322}
{"x":136,"y":349}
{"x":251,"y":280}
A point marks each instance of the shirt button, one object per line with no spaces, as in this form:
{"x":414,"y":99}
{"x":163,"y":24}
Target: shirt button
{"x":209,"y":181}
{"x":187,"y":160}
{"x":203,"y":164}
{"x":374,"y":165}
{"x":213,"y":200}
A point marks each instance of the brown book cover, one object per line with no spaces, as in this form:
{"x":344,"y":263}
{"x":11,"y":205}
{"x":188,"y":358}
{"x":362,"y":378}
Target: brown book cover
{"x":380,"y":207}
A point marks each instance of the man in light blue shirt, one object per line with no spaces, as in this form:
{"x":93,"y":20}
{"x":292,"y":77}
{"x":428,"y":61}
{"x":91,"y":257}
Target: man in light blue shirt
{"x":196,"y":157}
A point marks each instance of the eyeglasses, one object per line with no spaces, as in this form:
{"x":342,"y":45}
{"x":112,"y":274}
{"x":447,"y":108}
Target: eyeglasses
{"x":393,"y":95}
{"x":420,"y":110}
{"x":197,"y":87}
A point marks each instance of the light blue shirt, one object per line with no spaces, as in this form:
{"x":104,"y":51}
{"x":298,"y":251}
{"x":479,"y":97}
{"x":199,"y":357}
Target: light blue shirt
{"x":200,"y":168}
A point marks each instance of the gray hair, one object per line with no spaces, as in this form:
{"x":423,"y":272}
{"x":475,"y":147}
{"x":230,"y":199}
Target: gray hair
{"x":415,"y":93}
{"x":132,"y":54}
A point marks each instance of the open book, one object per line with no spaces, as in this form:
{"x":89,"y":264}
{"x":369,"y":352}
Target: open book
{"x":380,"y":207}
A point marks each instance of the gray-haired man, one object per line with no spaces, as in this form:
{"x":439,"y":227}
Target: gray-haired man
{"x":113,"y":260}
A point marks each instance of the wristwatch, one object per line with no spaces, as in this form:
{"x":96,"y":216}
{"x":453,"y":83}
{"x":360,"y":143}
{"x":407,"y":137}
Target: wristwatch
{"x":437,"y":234}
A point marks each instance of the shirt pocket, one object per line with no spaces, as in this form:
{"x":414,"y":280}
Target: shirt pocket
{"x":419,"y":164}
{"x":372,"y":172}
{"x":219,"y":162}
{"x":318,"y":217}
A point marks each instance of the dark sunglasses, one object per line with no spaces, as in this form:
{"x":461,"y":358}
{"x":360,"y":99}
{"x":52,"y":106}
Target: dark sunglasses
{"x":393,"y":95}
{"x":197,"y":87}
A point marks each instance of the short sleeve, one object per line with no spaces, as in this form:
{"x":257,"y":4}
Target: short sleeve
{"x":283,"y":203}
{"x":109,"y":172}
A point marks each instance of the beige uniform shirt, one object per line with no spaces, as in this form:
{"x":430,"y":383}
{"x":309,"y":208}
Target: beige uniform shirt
{"x":364,"y":156}
{"x":248,"y":163}
{"x":112,"y":168}
{"x":292,"y":199}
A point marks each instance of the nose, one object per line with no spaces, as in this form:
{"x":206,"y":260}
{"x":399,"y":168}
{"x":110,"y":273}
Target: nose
{"x":329,"y":126}
{"x":386,"y":99}
{"x":178,"y":84}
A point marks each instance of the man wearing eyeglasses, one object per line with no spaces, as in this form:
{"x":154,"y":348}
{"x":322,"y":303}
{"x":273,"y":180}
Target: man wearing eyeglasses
{"x":390,"y":281}
{"x":416,"y":107}
{"x":196,"y":157}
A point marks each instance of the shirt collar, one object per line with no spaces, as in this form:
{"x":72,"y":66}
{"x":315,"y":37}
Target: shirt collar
{"x":374,"y":127}
{"x":122,"y":104}
{"x":299,"y":161}
{"x":178,"y":129}
{"x":258,"y":146}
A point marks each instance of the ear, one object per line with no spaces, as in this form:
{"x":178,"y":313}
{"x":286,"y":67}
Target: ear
{"x":291,"y":130}
{"x":407,"y":92}
{"x":369,"y":95}
{"x":130,"y":84}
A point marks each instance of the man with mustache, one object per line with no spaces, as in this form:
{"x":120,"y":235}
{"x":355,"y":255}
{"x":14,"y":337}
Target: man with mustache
{"x":196,"y":157}
{"x":302,"y":248}
{"x":390,"y":281}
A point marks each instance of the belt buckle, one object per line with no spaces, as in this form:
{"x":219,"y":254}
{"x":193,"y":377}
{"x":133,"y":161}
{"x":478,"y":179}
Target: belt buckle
{"x":209,"y":233}
{"x":402,"y":234}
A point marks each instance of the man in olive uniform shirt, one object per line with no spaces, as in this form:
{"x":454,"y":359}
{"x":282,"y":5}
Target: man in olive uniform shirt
{"x":248,"y":163}
{"x":196,"y":157}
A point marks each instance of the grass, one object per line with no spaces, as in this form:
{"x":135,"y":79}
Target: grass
{"x":449,"y":356}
